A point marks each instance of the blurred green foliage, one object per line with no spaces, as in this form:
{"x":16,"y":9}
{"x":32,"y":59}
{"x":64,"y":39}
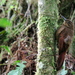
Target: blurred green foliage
{"x":2,"y":2}
{"x":5,"y":22}
{"x":2,"y":36}
{"x":18,"y":70}
{"x":7,"y":49}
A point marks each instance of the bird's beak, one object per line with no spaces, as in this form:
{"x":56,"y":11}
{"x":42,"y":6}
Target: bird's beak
{"x":63,"y":17}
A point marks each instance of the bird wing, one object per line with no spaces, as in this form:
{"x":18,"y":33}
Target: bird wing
{"x":59,"y":31}
{"x":63,"y":41}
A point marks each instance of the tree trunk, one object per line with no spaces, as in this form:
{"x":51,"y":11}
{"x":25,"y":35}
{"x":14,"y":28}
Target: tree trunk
{"x":48,"y":17}
{"x":73,"y":44}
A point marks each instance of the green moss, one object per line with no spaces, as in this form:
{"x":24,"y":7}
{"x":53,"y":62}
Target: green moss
{"x":45,"y":34}
{"x":46,"y":30}
{"x":48,"y":18}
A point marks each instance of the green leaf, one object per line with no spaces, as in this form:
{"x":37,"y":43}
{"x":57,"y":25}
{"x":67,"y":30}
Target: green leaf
{"x":18,"y":70}
{"x":24,"y":62}
{"x":6,"y":48}
{"x":15,"y":62}
{"x":11,"y":7}
{"x":2,"y":32}
{"x":2,"y":2}
{"x":5,"y":22}
{"x":73,"y":73}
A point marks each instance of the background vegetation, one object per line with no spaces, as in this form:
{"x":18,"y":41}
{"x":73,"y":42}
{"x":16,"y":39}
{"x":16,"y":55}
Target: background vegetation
{"x":18,"y":34}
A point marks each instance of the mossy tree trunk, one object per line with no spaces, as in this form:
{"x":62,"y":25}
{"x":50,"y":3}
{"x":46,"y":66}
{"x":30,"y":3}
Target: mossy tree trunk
{"x":48,"y":17}
{"x":73,"y":44}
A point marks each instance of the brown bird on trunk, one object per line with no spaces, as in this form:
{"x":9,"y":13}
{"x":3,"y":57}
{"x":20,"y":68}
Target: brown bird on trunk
{"x":64,"y":37}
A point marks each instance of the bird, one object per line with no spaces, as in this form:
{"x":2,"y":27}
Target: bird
{"x":64,"y":36}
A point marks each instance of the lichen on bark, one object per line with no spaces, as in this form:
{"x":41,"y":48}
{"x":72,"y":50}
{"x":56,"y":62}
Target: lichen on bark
{"x":47,"y":21}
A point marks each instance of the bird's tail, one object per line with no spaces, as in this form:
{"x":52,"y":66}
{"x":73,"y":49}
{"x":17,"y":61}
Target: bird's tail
{"x":60,"y":60}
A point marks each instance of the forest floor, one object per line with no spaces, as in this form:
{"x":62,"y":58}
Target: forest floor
{"x":26,"y":50}
{"x":22,"y":49}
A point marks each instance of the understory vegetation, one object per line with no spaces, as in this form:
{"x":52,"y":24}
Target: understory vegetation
{"x":18,"y":35}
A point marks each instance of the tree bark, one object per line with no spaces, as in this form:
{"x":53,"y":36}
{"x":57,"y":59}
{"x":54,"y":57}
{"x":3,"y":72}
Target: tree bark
{"x":47,"y":21}
{"x":72,"y":50}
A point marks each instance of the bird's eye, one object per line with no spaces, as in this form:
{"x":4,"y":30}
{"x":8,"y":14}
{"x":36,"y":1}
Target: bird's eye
{"x":69,"y":23}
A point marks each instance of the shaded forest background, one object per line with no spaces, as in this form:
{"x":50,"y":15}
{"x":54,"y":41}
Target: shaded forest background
{"x":19,"y":41}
